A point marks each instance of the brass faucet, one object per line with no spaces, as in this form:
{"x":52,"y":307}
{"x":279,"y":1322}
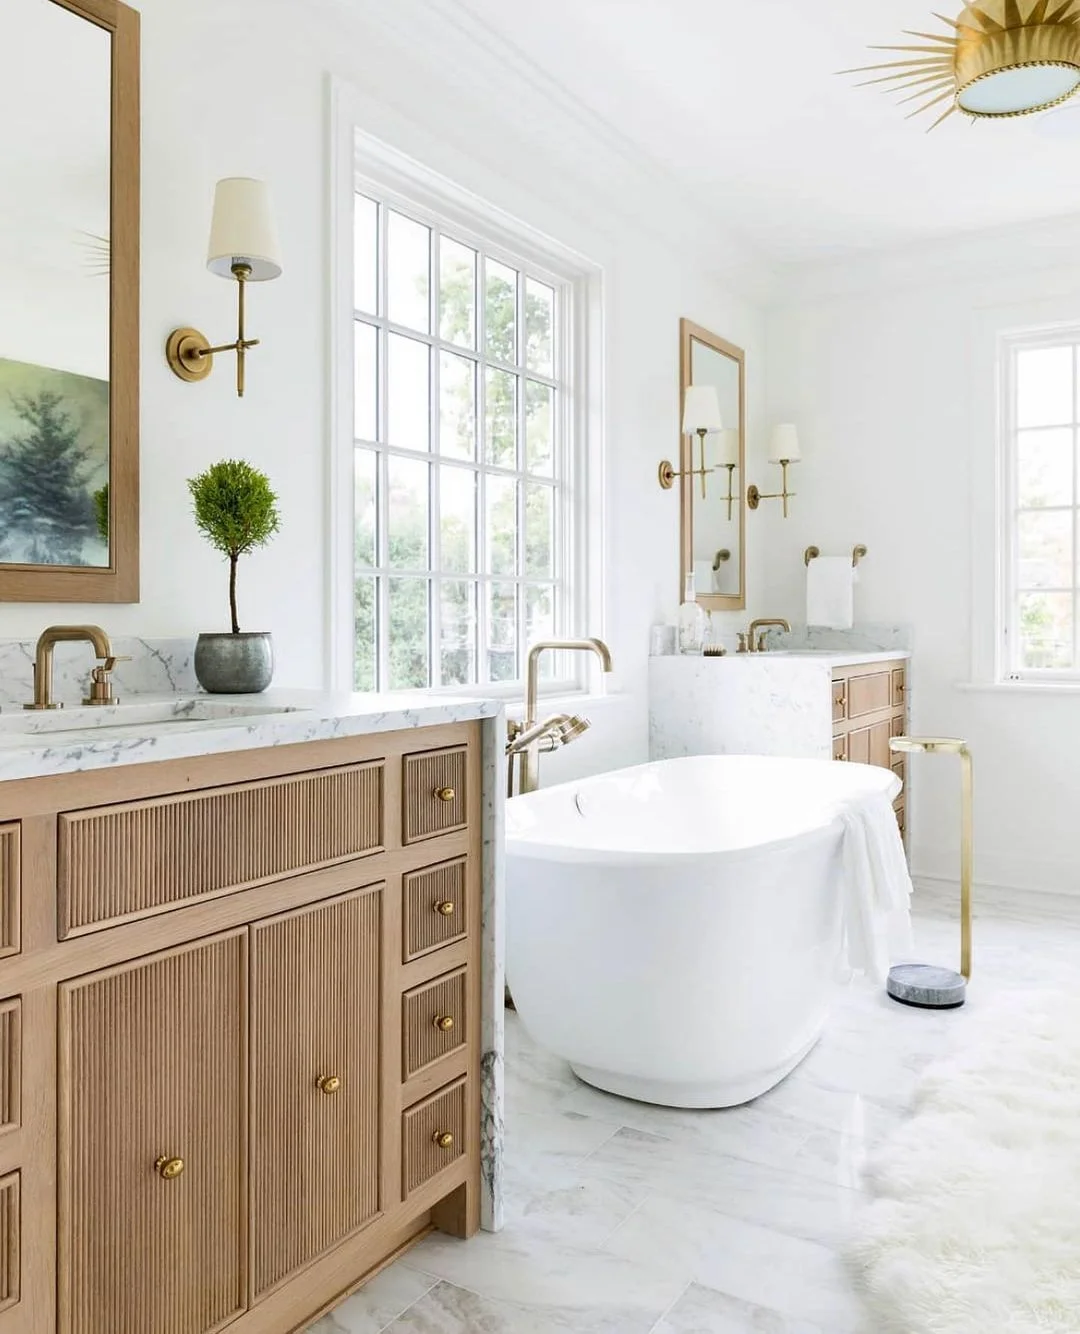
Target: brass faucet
{"x":528,"y":754}
{"x":756,"y":644}
{"x":43,"y":658}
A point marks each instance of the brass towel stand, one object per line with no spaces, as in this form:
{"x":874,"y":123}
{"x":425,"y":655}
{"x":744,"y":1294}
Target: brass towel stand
{"x":857,"y":553}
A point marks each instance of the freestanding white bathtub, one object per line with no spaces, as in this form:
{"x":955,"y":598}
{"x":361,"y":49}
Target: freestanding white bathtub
{"x":674,"y":930}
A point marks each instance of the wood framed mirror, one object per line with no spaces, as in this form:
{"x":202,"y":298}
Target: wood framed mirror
{"x":713,"y":525}
{"x":69,"y":301}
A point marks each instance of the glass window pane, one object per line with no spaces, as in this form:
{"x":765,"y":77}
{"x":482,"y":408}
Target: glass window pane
{"x":539,"y":326}
{"x":1045,"y":549}
{"x":1046,"y":630}
{"x":540,"y":624}
{"x":457,"y":293}
{"x":364,"y":507}
{"x":502,"y":525}
{"x":501,"y":415}
{"x":366,"y":255}
{"x":408,"y":423}
{"x":457,"y":650}
{"x":539,"y":411}
{"x":1044,"y":468}
{"x":1044,"y":386}
{"x":457,"y":520}
{"x":408,"y":272}
{"x":457,"y":406}
{"x":365,"y":381}
{"x":500,"y":311}
{"x":502,"y":633}
{"x":407,"y":637}
{"x":364,"y":634}
{"x":540,"y":531}
{"x":407,"y":513}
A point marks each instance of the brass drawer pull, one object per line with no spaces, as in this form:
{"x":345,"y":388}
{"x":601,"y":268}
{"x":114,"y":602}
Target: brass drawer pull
{"x":443,"y":1139}
{"x":169,"y":1168}
{"x":444,"y":1022}
{"x":445,"y":908}
{"x":841,"y":700}
{"x":445,"y":793}
{"x":328,"y":1083}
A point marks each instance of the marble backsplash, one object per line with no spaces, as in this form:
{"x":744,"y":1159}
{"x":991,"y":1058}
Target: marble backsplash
{"x":859,"y":639}
{"x":157,"y":667}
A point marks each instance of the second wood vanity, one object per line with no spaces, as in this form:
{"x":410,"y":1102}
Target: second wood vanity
{"x":240,"y":1007}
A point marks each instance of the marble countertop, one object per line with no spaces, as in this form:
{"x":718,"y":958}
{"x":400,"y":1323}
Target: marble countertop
{"x":169,"y":727}
{"x":825,"y":657}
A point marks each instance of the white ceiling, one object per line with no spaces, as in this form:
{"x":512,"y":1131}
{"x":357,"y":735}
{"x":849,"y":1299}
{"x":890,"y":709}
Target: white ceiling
{"x":741,"y":101}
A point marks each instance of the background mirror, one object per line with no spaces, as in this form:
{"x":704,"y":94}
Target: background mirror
{"x":55,"y":158}
{"x":713,"y":527}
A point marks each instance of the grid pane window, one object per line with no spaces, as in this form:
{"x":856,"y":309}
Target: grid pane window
{"x":463,"y":506}
{"x":1042,"y":493}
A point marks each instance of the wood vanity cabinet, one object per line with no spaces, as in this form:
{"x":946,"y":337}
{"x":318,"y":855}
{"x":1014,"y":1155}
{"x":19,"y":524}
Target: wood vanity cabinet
{"x":239,"y":1031}
{"x":869,"y":706}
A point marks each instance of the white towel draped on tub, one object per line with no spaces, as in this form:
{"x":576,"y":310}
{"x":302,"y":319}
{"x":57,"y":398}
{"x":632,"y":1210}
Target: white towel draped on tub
{"x":876,"y":891}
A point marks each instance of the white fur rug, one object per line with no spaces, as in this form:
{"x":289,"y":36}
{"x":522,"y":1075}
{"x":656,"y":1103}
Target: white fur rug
{"x":975,"y":1228}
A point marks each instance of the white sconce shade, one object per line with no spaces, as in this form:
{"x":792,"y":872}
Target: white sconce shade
{"x":784,"y":445}
{"x":243,"y":231}
{"x":701,"y":409}
{"x":728,"y":453}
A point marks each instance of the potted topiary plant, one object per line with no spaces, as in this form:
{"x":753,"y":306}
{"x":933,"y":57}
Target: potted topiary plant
{"x":236,"y":511}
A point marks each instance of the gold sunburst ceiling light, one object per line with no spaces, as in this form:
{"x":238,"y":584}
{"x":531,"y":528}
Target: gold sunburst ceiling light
{"x":999,"y":58}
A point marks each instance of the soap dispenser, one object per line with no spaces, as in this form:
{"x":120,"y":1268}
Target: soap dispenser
{"x":693,"y":621}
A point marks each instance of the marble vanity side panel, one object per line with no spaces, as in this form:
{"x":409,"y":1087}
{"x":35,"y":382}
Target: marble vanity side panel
{"x":734,"y":706}
{"x":157,"y":667}
{"x":493,"y":899}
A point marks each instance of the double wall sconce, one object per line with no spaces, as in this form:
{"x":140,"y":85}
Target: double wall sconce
{"x":244,"y":247}
{"x":783,"y":449}
{"x":701,"y":417}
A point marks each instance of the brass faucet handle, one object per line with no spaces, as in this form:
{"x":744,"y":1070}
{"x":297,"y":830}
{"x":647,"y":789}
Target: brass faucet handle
{"x":101,"y":691}
{"x":742,"y":643}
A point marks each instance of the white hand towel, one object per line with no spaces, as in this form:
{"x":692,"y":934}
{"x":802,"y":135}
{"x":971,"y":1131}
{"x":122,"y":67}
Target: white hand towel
{"x":830,"y":592}
{"x":876,"y":893}
{"x":703,"y":576}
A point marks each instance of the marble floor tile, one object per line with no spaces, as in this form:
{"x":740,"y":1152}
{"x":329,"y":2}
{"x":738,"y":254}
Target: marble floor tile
{"x":703,"y":1311}
{"x":624,"y":1218}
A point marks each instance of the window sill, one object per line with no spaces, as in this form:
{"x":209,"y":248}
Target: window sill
{"x":1019,"y":687}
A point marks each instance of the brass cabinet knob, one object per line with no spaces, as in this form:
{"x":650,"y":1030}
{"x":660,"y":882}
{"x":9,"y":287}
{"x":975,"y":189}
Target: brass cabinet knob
{"x":169,"y":1168}
{"x":443,"y":1139}
{"x":444,"y":1022}
{"x":445,"y":793}
{"x":328,"y":1083}
{"x":445,"y":908}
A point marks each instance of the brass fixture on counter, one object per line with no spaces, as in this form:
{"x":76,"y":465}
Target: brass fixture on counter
{"x":101,"y":691}
{"x":43,"y":660}
{"x":756,"y":641}
{"x":526,"y":738}
{"x":857,"y":553}
{"x":783,"y":449}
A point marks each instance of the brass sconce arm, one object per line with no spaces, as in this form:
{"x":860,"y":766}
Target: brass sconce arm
{"x":754,"y":497}
{"x":667,"y":472}
{"x":190,"y":353}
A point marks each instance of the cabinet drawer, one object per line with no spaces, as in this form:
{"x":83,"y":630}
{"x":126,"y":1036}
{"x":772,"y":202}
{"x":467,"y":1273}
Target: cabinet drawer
{"x":144,"y":857}
{"x":840,"y":747}
{"x":870,"y":745}
{"x":898,"y":726}
{"x":839,"y":701}
{"x":432,"y":1136}
{"x":434,"y":1022}
{"x":869,"y":694}
{"x":899,"y":768}
{"x":10,"y":889}
{"x":10,"y":1065}
{"x":901,"y":818}
{"x":433,"y":793}
{"x":10,"y":1241}
{"x":435,"y":907}
{"x":899,"y":687}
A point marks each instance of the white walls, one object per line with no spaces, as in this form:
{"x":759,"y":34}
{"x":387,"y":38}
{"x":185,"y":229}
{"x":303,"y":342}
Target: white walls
{"x":240,"y":87}
{"x":887,"y":366}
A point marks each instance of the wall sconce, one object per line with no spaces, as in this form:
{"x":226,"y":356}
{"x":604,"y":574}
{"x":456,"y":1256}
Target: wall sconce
{"x":243,"y":246}
{"x":701,"y":414}
{"x":729,"y":459}
{"x":783,"y":449}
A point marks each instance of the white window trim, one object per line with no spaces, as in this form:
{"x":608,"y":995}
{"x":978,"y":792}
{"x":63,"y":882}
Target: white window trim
{"x":1008,"y":344}
{"x":358,"y":158}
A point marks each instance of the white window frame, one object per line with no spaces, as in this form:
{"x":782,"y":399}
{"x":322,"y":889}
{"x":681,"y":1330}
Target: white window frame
{"x":1008,"y":667}
{"x":361,"y":163}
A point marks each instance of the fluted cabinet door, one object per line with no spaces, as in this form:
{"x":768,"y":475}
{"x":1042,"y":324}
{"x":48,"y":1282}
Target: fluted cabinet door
{"x":153,"y":1064}
{"x":314,"y":1082}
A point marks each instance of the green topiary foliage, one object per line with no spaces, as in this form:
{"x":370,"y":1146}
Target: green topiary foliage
{"x":236,"y":511}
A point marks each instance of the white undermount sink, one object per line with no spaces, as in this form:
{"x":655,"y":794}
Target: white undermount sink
{"x":109,"y":718}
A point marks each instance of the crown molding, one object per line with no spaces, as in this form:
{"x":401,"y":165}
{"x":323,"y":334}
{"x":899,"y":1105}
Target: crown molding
{"x":592,"y":169}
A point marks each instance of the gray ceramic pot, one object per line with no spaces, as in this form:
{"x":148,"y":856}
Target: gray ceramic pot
{"x":230,"y":664}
